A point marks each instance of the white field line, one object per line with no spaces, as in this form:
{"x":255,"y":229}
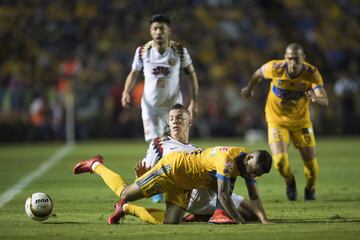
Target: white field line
{"x":9,"y":194}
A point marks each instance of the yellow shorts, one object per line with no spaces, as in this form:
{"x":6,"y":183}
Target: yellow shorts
{"x":157,"y":180}
{"x":302,"y":136}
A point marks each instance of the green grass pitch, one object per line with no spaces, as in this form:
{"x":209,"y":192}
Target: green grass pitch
{"x":82,"y":203}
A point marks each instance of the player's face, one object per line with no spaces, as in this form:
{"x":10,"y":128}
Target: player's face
{"x":159,"y":32}
{"x":294,"y":59}
{"x":179,"y":123}
{"x":252,"y":167}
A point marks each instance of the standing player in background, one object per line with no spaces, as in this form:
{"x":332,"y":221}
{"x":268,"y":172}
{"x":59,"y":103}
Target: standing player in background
{"x":294,"y":84}
{"x":161,"y":60}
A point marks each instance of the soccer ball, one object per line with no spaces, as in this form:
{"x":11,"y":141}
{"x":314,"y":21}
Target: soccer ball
{"x":38,"y":206}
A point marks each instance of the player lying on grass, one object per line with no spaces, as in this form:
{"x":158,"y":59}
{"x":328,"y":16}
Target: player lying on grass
{"x":202,"y":201}
{"x":178,"y":173}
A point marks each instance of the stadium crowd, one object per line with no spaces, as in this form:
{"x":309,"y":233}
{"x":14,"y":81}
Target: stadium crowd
{"x":50,"y":48}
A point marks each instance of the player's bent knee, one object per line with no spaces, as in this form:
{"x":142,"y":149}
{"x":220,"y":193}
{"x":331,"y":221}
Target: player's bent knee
{"x":131,"y":193}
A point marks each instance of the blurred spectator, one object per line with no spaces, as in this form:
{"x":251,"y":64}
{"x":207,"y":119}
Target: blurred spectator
{"x":52,"y":45}
{"x":40,"y":118}
{"x":346,"y":88}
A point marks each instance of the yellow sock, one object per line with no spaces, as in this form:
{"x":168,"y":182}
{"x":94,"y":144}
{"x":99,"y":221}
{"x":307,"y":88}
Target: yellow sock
{"x":281,"y":162}
{"x":149,"y":215}
{"x":311,"y":170}
{"x":112,"y":179}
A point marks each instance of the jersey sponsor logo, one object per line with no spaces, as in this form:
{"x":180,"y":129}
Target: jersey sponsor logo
{"x":161,"y":70}
{"x":287,"y":94}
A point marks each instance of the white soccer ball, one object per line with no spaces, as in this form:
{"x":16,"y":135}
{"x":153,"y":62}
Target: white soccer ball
{"x":38,"y":206}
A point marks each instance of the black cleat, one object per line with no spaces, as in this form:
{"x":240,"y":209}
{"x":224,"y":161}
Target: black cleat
{"x":309,"y":194}
{"x":291,"y":190}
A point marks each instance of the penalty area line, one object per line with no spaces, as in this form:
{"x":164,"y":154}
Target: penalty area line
{"x":10,"y":193}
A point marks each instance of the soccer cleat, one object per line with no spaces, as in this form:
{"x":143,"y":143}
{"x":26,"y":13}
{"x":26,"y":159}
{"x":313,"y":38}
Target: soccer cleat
{"x":85,"y":166}
{"x":220,"y":217}
{"x":291,"y":190}
{"x":118,"y":214}
{"x":157,"y":198}
{"x":196,"y":218}
{"x":309,"y":194}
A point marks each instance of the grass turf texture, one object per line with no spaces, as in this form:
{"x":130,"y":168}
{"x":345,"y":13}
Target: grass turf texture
{"x":83,"y":203}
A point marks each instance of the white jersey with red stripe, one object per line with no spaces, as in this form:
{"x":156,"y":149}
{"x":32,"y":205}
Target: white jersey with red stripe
{"x":161,"y":146}
{"x":161,"y":73}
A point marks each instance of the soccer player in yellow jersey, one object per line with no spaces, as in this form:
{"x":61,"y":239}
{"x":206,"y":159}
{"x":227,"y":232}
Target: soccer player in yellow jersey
{"x":294,"y":83}
{"x":177,"y":173}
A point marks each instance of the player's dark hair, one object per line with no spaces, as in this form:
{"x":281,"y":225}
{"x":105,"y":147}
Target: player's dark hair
{"x":264,"y":160}
{"x":179,"y":106}
{"x":161,"y":18}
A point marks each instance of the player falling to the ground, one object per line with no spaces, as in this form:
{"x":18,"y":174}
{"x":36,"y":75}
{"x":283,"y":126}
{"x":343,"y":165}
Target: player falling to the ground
{"x":203,"y":202}
{"x":294,"y":84}
{"x":177,"y":173}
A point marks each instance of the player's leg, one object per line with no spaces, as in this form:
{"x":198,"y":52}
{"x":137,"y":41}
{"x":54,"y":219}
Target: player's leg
{"x":150,"y":118}
{"x":149,"y":215}
{"x":305,"y":142}
{"x":176,"y":202}
{"x":152,"y":182}
{"x":279,"y":139}
{"x":173,"y":214}
{"x":95,"y":165}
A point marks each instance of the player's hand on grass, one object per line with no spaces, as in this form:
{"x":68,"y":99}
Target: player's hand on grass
{"x":140,"y":169}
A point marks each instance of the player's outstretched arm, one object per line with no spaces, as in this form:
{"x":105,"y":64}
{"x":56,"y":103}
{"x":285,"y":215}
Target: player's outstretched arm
{"x":248,"y":91}
{"x":129,"y":84}
{"x":256,"y":201}
{"x":226,"y":201}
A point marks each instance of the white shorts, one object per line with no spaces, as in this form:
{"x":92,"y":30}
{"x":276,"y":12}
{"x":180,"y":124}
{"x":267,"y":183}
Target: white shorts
{"x":203,"y":201}
{"x":155,"y":122}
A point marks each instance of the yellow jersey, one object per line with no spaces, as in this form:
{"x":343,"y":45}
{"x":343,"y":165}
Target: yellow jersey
{"x":287,"y":103}
{"x":198,"y":169}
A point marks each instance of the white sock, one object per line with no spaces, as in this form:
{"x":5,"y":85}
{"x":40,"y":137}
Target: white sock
{"x":95,"y":164}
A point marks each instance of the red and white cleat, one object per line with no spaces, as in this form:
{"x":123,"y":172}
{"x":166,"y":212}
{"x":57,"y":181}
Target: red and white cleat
{"x":220,"y":217}
{"x":118,"y":214}
{"x":85,"y":166}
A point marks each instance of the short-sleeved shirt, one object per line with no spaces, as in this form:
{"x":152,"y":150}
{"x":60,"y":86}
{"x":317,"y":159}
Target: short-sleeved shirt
{"x":162,"y":146}
{"x":161,"y":73}
{"x":287,"y":103}
{"x":178,"y":172}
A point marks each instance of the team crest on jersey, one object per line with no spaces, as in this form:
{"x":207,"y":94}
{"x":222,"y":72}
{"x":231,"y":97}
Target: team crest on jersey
{"x":171,"y":62}
{"x":280,"y":82}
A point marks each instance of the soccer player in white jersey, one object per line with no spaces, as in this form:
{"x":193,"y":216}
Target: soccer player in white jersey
{"x":161,"y":60}
{"x":203,"y":201}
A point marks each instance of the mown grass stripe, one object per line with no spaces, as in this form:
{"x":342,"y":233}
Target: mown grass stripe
{"x":9,"y":194}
